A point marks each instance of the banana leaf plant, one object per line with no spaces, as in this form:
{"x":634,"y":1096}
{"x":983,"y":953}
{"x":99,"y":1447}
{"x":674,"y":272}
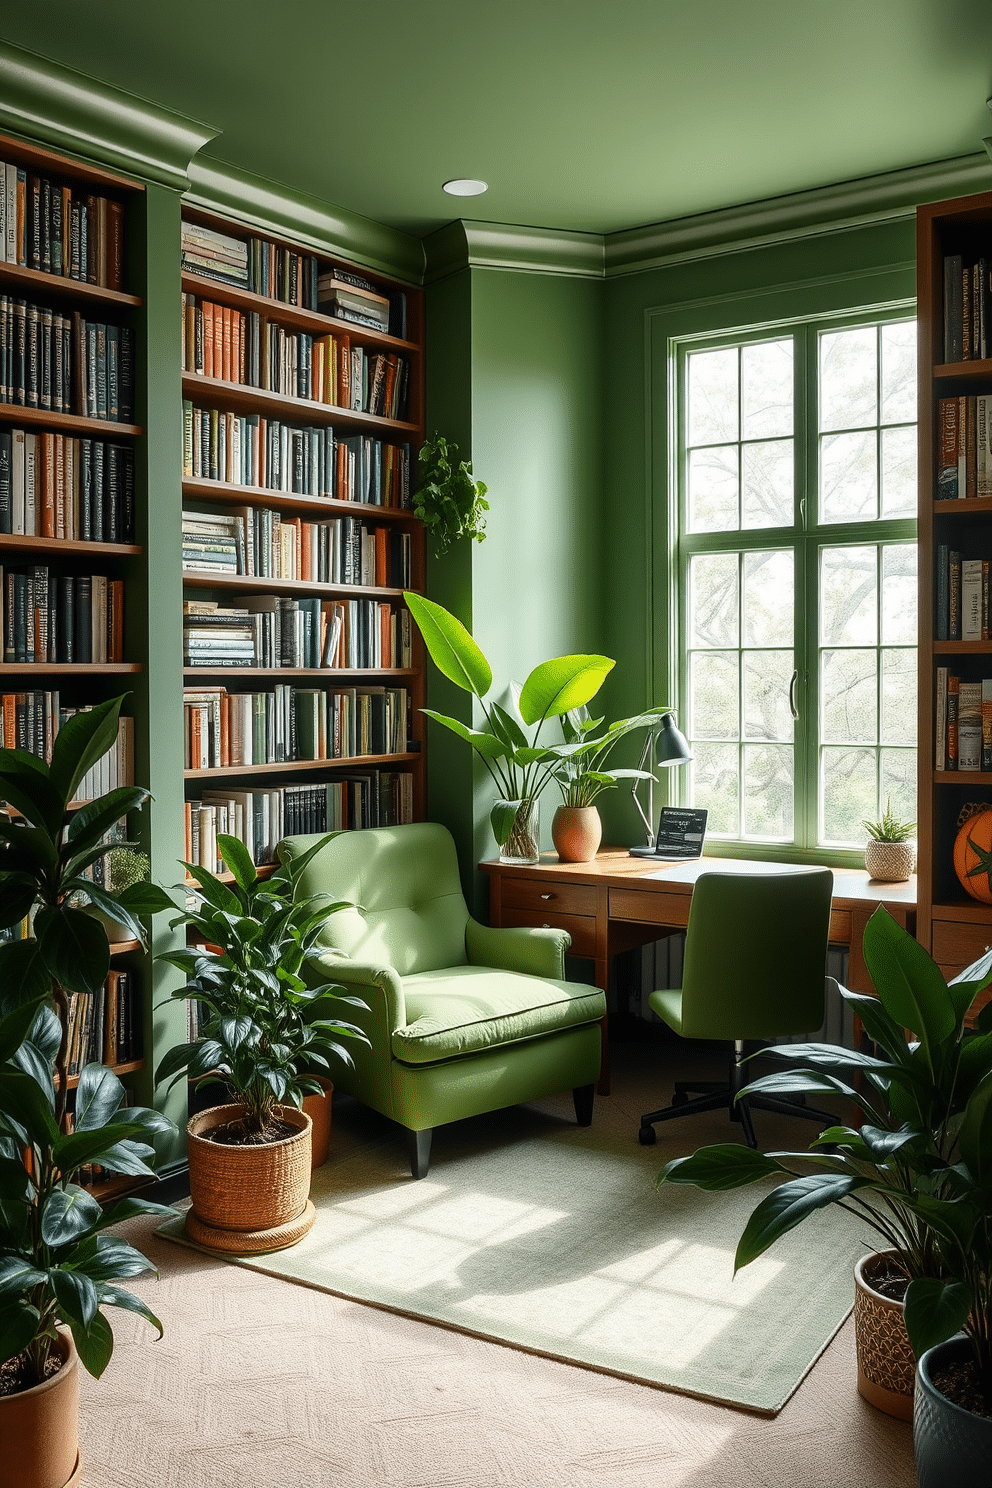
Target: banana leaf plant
{"x":520,"y":767}
{"x":264,"y":1032}
{"x":57,"y":1263}
{"x":918,"y":1170}
{"x":580,"y":770}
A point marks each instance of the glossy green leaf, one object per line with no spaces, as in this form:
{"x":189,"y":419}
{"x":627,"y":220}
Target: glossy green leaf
{"x":113,"y":1296}
{"x":451,"y":648}
{"x":26,"y":785}
{"x":98,"y":1096}
{"x":68,"y":1213}
{"x":484,"y":743}
{"x":94,"y":1345}
{"x":237,"y":858}
{"x":13,"y":1180}
{"x":723,"y":1166}
{"x":74,"y":948}
{"x":935,"y":1311}
{"x":19,"y":1322}
{"x":23,"y":1101}
{"x":506,"y":727}
{"x":92,"y":822}
{"x":23,"y":973}
{"x":80,"y":742}
{"x":145,"y":899}
{"x":908,"y":982}
{"x":15,"y":1027}
{"x":18,"y":1275}
{"x":788,"y":1206}
{"x":565,"y":682}
{"x":77,"y":1296}
{"x":975,"y":1133}
{"x":17,"y":896}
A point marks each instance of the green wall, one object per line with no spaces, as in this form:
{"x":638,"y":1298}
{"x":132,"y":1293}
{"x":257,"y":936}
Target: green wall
{"x":812,"y":275}
{"x":515,"y":366}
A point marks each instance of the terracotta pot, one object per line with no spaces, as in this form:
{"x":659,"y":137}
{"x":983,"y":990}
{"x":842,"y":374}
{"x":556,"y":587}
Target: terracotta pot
{"x":318,"y":1108}
{"x":890,"y":862}
{"x":952,"y":1446}
{"x":249,"y":1198}
{"x":886,"y":1362}
{"x":577,"y":832}
{"x":39,"y":1429}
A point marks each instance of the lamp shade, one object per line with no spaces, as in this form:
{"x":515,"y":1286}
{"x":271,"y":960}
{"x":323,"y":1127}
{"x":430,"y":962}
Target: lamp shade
{"x":670,"y":744}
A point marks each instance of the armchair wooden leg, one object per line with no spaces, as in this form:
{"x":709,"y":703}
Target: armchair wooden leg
{"x":582,"y":1098}
{"x":419,"y":1143}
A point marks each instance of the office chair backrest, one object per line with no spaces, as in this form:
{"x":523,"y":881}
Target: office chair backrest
{"x":405,"y":879}
{"x":755,"y":954}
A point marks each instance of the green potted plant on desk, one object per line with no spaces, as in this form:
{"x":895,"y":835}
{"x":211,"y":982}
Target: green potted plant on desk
{"x":918,"y":1170}
{"x":520,"y":767}
{"x":59,"y":1267}
{"x":263,"y":1036}
{"x":582,"y":776}
{"x":890,"y":853}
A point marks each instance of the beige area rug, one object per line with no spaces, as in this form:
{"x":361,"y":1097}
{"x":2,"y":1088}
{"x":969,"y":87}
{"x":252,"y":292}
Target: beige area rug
{"x":538,"y":1234}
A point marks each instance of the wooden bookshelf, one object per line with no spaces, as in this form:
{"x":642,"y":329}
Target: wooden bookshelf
{"x":65,"y":423}
{"x":954,"y":927}
{"x":50,"y":546}
{"x":202,"y":495}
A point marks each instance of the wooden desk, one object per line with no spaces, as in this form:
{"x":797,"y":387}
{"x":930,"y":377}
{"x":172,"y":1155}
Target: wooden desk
{"x":617,"y":902}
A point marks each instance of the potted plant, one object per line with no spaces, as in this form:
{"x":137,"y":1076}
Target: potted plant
{"x":447,"y":500}
{"x":890,"y":854}
{"x":576,"y":829}
{"x":917,"y":1170}
{"x":250,"y":1160}
{"x":59,"y":1269}
{"x":520,"y":767}
{"x":125,"y":866}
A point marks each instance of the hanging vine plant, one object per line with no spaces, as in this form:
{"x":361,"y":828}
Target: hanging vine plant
{"x":448,"y":501}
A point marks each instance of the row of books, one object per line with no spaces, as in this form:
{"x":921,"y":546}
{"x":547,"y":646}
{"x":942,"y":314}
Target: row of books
{"x":64,"y":363}
{"x":282,"y":631}
{"x":963,"y":723}
{"x":258,"y":543}
{"x":248,"y":450}
{"x":261,"y":818}
{"x":230,"y":729}
{"x":964,"y":447}
{"x":54,"y":486}
{"x":44,"y":225}
{"x":68,"y":618}
{"x":967,"y":332}
{"x":104,"y":1026}
{"x":295,"y":278}
{"x":31,"y":721}
{"x":962,"y":596}
{"x":248,"y":350}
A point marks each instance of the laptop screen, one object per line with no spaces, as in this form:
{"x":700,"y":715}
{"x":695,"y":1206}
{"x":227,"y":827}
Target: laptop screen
{"x":680,"y":832}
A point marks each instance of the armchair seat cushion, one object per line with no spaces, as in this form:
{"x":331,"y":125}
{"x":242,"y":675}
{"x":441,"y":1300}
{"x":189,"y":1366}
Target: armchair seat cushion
{"x":464,"y":1009}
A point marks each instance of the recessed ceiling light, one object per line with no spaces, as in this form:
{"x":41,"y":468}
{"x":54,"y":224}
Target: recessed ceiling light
{"x":465,"y":187}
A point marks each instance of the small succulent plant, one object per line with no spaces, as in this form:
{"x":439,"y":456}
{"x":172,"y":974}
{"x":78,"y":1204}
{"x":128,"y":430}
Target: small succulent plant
{"x":889,"y":828}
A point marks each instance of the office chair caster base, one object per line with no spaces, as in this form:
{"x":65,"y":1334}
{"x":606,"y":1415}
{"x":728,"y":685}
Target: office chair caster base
{"x":647,"y":1136}
{"x":680,"y":1098}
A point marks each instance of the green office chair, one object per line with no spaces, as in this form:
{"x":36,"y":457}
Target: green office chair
{"x":461,"y":1018}
{"x":754,"y":969}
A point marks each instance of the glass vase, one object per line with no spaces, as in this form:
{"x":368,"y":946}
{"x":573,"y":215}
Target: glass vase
{"x":517,"y":829}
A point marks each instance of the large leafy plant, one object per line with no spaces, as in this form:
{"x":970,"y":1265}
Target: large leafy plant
{"x":520,"y":766}
{"x":264,"y":1031}
{"x":918,"y":1170}
{"x":57,"y":1264}
{"x":447,"y":499}
{"x":581,"y":773}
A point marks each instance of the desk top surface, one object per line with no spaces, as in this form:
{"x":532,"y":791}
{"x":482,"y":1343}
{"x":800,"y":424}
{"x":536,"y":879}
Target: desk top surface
{"x":617,"y":867}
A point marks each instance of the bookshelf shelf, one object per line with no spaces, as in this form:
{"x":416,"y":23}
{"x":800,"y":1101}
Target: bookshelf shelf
{"x":310,"y":506}
{"x":312,"y":321}
{"x":124,"y":947}
{"x":291,"y":767}
{"x":962,"y":371}
{"x":72,"y":668}
{"x":67,"y":423}
{"x":962,"y":648}
{"x":199,"y":579}
{"x":26,"y":282}
{"x":237,"y":396}
{"x":15,"y":543}
{"x":970,"y":507}
{"x":129,"y":1067}
{"x":323,"y":674}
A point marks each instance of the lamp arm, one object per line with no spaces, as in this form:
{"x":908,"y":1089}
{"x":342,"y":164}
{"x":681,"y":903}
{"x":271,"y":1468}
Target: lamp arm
{"x":648,"y":823}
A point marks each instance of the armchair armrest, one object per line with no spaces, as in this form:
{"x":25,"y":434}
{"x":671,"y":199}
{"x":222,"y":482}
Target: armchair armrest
{"x":379,"y":986}
{"x":532,"y":951}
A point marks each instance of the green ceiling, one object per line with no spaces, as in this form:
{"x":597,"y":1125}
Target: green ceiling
{"x":585,"y":116}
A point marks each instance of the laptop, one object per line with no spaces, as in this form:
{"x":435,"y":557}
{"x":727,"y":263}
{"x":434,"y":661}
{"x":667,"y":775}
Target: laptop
{"x":681,"y":831}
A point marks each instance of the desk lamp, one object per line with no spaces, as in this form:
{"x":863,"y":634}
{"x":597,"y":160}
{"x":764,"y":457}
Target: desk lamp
{"x":670,"y":747}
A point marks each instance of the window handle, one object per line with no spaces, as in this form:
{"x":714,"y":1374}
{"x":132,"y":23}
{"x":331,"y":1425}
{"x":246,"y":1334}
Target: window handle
{"x":792,"y":695}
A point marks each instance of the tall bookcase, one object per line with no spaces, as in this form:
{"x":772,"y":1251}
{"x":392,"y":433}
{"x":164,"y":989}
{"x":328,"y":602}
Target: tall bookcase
{"x":952,"y":236}
{"x":70,"y":451}
{"x":279,"y":438}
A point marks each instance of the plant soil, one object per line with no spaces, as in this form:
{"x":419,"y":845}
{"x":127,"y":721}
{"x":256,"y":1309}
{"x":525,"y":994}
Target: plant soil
{"x":233,"y":1134}
{"x":958,"y":1382}
{"x":887,"y":1280}
{"x":16,"y":1376}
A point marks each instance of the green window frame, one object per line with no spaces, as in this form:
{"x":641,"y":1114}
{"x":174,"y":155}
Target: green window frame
{"x":795,"y":566}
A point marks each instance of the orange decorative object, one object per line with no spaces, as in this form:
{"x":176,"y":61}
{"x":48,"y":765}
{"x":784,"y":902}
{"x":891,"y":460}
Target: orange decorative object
{"x":973,"y":856}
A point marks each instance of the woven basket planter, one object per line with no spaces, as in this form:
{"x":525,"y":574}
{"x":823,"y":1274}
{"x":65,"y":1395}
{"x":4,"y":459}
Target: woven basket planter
{"x":890,"y":862}
{"x":249,"y":1199}
{"x":39,"y":1429}
{"x":886,"y":1362}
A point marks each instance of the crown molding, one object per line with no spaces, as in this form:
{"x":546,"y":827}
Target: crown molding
{"x":497,"y":245}
{"x":44,"y":101}
{"x":881,"y":198}
{"x":217,"y":186}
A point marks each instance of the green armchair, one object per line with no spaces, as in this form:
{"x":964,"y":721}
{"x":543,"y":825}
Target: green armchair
{"x":461,"y":1018}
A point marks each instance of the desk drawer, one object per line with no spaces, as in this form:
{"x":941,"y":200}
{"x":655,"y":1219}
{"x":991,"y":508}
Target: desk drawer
{"x":648,"y":908}
{"x":956,"y":945}
{"x":582,"y":928}
{"x":540,"y":894}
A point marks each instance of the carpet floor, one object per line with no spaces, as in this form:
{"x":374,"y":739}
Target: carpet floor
{"x":538,"y":1233}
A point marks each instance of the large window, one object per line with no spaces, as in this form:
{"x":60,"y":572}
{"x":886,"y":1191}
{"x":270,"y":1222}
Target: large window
{"x":796,"y":553}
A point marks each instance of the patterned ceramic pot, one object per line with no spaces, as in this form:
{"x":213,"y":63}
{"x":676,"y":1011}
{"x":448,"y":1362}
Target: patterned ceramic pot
{"x":886,"y":1362}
